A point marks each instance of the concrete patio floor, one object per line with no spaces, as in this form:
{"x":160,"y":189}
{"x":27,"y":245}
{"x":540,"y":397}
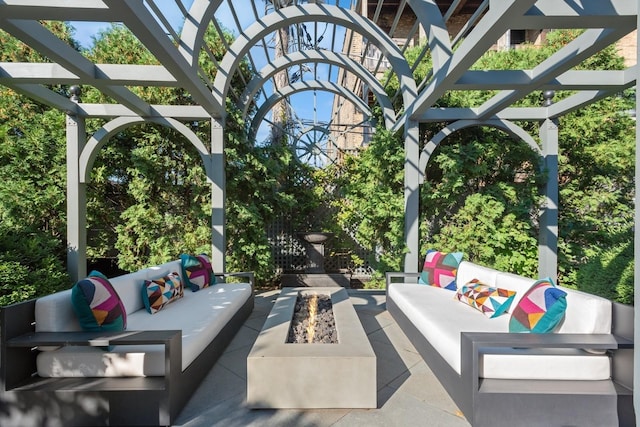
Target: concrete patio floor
{"x":408,"y":392}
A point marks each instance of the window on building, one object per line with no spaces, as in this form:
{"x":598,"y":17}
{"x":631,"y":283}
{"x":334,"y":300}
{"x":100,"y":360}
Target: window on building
{"x":518,"y":37}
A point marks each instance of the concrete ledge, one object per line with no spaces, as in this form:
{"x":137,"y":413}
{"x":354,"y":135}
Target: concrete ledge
{"x":342,"y":375}
{"x":315,"y":280}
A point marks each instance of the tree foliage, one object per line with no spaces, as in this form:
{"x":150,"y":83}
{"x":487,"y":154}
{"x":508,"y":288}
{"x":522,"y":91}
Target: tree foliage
{"x":33,"y":191}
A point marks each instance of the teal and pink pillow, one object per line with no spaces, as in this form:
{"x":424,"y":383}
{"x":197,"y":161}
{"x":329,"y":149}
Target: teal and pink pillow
{"x":540,"y":310}
{"x":157,"y":293}
{"x":440,"y":269}
{"x":490,"y":301}
{"x":197,"y":271}
{"x":97,"y":304}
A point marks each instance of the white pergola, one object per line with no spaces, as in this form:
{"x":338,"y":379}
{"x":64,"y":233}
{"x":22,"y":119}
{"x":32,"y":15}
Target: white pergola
{"x":255,"y":23}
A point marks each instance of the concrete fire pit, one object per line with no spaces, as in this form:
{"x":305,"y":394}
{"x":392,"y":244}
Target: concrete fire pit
{"x":288,"y":375}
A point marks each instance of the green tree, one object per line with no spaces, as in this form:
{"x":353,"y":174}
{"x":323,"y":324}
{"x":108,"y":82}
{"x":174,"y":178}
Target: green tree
{"x":32,"y":196}
{"x":369,"y":200}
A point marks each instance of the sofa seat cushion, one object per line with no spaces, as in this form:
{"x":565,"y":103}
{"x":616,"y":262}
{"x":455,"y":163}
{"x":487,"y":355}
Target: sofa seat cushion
{"x":545,"y":364}
{"x":441,"y":319}
{"x":199,"y":315}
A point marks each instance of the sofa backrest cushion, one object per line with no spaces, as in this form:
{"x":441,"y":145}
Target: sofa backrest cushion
{"x":54,"y":313}
{"x":468,"y":271}
{"x":517,"y":283}
{"x":129,"y":285}
{"x":585,"y":313}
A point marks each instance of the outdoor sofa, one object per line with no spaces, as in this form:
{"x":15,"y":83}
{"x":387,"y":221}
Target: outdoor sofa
{"x":580,"y":374}
{"x":56,"y":373}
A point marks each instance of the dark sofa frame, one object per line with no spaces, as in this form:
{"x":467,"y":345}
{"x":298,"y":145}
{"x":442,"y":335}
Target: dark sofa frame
{"x":491,"y":402}
{"x":131,"y":401}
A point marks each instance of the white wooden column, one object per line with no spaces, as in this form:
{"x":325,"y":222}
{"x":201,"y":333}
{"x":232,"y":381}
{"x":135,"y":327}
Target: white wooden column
{"x":548,"y":237}
{"x":411,"y":195}
{"x":636,"y":246}
{"x":218,"y":197}
{"x":76,"y":195}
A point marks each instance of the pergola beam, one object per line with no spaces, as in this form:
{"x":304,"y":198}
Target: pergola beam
{"x":118,"y":74}
{"x":45,"y":96}
{"x":35,"y":35}
{"x":482,"y":37}
{"x":572,"y":54}
{"x":521,"y":79}
{"x":142,"y":23}
{"x":58,"y":10}
{"x":179,"y":112}
{"x":574,"y":14}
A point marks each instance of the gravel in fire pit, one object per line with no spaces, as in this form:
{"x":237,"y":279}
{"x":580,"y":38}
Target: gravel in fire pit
{"x":324,"y":324}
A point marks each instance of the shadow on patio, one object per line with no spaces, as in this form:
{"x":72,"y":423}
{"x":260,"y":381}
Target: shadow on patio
{"x":408,"y":392}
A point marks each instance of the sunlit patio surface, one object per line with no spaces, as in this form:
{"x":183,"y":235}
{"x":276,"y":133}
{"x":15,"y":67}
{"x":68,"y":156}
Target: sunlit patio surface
{"x":408,"y":392}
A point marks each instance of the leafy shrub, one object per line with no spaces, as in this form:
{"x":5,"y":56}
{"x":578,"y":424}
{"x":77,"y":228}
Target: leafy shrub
{"x":30,"y":265}
{"x":609,"y":274}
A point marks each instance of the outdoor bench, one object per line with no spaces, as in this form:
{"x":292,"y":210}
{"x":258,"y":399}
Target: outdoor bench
{"x":581,"y":374}
{"x":144,"y":375}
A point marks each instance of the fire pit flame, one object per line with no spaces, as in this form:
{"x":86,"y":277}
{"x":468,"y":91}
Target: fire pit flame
{"x":312,"y":321}
{"x":313,"y":309}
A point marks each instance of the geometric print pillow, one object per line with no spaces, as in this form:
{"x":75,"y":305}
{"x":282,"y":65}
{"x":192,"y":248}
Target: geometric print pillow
{"x":197,"y":271}
{"x":540,"y":310}
{"x":440,"y":269}
{"x":490,"y":301}
{"x":97,"y":305}
{"x":157,"y":293}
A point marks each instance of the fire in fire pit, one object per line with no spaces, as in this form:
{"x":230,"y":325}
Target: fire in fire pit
{"x":313,"y":320}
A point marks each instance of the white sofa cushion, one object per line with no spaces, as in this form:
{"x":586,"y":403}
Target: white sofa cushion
{"x":131,"y":296}
{"x":585,"y":314}
{"x":54,"y":313}
{"x":467,"y":271}
{"x":532,"y":364}
{"x":199,"y":315}
{"x":441,"y":319}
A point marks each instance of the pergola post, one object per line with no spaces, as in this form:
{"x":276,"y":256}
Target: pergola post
{"x":548,"y":237}
{"x":76,"y":195}
{"x":636,"y":248}
{"x":411,"y":195}
{"x":218,"y":196}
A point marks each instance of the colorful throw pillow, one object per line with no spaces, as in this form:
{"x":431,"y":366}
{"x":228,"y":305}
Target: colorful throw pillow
{"x":197,"y":271}
{"x":440,"y":269}
{"x":492,"y":302}
{"x":540,"y":310}
{"x":98,"y":305}
{"x":157,"y":293}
